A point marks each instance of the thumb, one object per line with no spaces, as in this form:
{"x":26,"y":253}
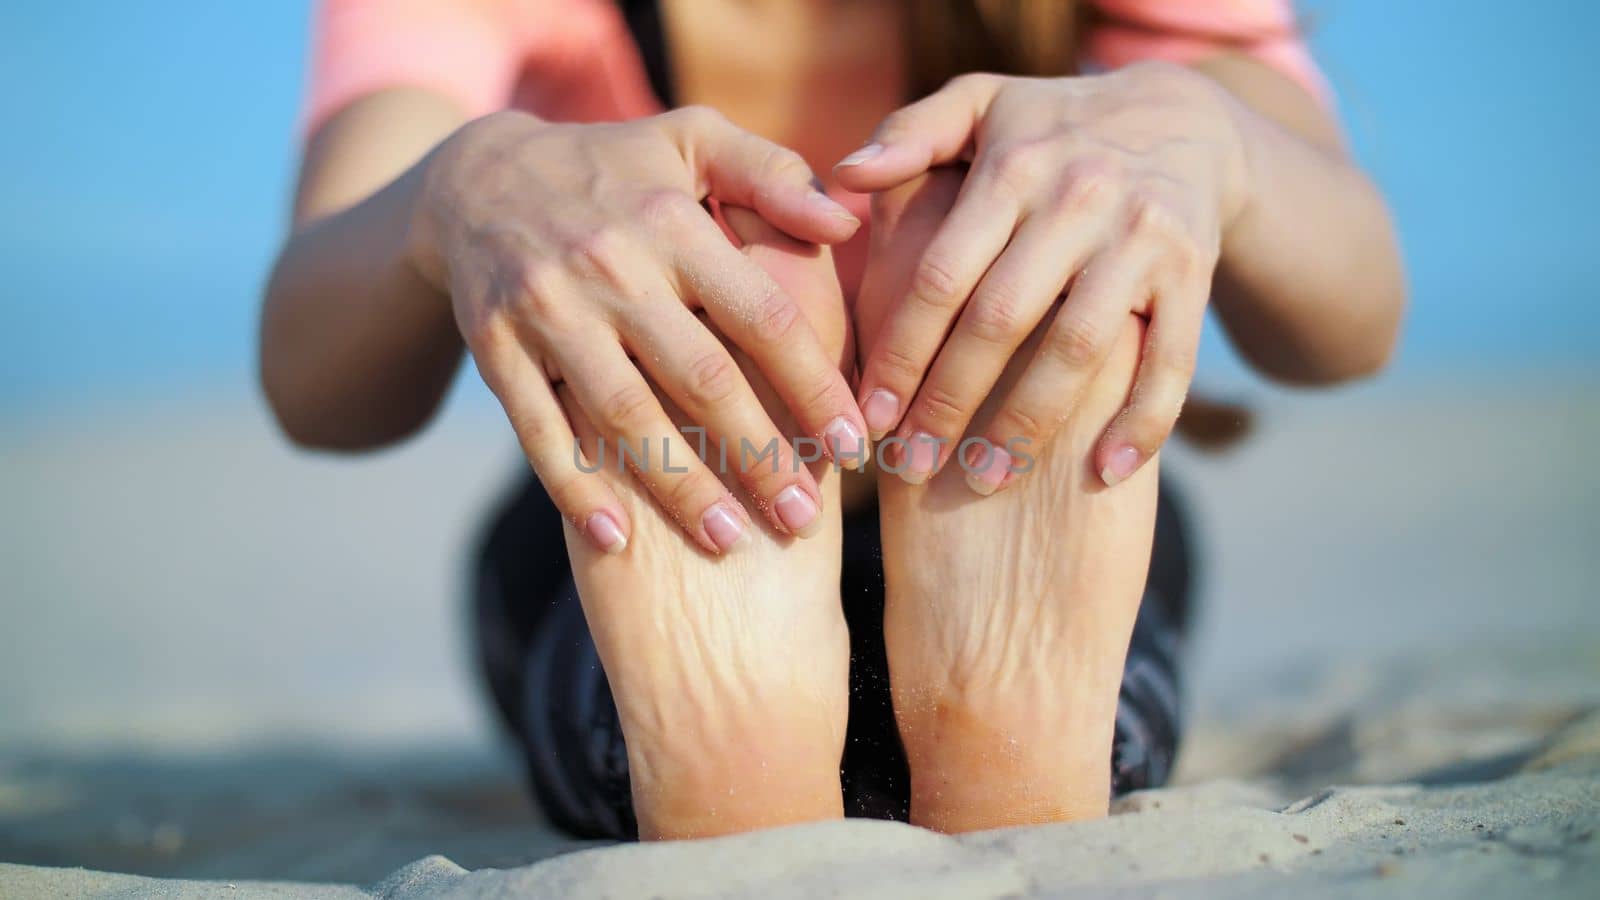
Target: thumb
{"x":934,"y":131}
{"x":738,"y":168}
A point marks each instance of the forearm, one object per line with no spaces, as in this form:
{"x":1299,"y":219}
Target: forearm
{"x":356,"y":348}
{"x":1309,"y":285}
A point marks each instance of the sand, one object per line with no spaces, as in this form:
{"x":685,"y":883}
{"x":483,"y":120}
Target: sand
{"x":237,"y":672}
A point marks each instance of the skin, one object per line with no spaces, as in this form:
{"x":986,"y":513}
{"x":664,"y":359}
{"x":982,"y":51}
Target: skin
{"x":488,"y":243}
{"x":1138,"y":191}
{"x":1042,"y":254}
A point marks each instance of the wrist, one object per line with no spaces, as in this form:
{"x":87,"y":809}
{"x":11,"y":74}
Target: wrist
{"x":423,"y":248}
{"x":1240,"y":126}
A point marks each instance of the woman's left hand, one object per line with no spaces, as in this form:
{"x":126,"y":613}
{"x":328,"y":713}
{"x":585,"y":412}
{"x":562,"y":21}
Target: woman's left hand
{"x":1110,"y":191}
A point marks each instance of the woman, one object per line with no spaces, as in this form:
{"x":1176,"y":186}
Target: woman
{"x":611,"y":205}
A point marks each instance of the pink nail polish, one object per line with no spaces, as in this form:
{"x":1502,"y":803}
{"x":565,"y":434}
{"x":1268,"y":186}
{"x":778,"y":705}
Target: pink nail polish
{"x":795,"y":509}
{"x":860,"y":156}
{"x":987,"y":468}
{"x":881,"y":411}
{"x":606,"y":534}
{"x":845,"y":443}
{"x":1123,"y":461}
{"x":723,"y":527}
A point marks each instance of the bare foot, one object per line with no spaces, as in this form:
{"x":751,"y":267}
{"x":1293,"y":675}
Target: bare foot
{"x":1007,"y":623}
{"x":730,"y":674}
{"x":1008,"y":617}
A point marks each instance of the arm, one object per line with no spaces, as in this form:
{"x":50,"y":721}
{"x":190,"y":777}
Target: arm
{"x":357,"y":348}
{"x":1309,"y":284}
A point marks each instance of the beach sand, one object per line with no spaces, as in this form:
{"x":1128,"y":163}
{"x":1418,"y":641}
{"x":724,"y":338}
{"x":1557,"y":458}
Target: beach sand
{"x":227,"y":668}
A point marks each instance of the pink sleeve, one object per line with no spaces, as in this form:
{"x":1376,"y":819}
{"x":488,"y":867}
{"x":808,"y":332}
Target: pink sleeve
{"x":469,"y":50}
{"x":1187,"y":30}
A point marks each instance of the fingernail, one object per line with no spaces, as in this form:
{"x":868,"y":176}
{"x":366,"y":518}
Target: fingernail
{"x":723,"y":527}
{"x":1123,"y":461}
{"x":796,"y":509}
{"x":987,"y":468}
{"x":922,"y":455}
{"x":845,"y":443}
{"x":860,"y":156}
{"x":832,"y":207}
{"x":606,"y":534}
{"x":881,"y":410}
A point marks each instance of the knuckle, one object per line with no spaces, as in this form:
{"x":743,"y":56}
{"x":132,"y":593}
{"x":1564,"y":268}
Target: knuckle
{"x":712,"y":379}
{"x":538,"y":303}
{"x":1075,"y":342}
{"x":666,"y":210}
{"x":1151,"y":218}
{"x":483,"y":334}
{"x":627,"y":409}
{"x":536,"y":278}
{"x":971,"y":81}
{"x":995,"y":315}
{"x":698,"y":116}
{"x":1023,"y":165}
{"x":1088,"y":187}
{"x":1016,"y":421}
{"x":818,"y":398}
{"x":934,"y":284}
{"x":938,"y":404}
{"x":775,"y":316}
{"x":895,"y":366}
{"x":689,"y":493}
{"x":780,"y":160}
{"x":603,"y":248}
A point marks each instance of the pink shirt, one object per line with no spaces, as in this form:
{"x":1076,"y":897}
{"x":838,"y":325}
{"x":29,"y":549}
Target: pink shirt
{"x":575,"y":60}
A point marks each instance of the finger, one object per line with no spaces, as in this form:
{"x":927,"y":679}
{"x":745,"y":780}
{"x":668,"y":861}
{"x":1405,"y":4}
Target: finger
{"x":702,"y":378}
{"x":806,"y":272}
{"x":975,"y":232}
{"x":933,"y":131}
{"x":737,"y":167}
{"x":1010,"y":301}
{"x":1166,"y":369}
{"x":1075,"y":345}
{"x":770,"y":326}
{"x":547,"y":440}
{"x":638,"y":435}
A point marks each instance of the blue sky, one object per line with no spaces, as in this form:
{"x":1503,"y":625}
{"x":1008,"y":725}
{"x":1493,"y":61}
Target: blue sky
{"x":150,"y":148}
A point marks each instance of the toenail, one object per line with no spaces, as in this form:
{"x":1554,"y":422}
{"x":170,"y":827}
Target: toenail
{"x":880,"y":410}
{"x":723,"y":527}
{"x":603,"y":530}
{"x":1120,"y":465}
{"x":796,"y":509}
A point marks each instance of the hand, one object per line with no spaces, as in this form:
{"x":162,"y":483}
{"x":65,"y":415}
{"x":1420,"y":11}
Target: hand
{"x":1112,"y":191}
{"x":581,"y":253}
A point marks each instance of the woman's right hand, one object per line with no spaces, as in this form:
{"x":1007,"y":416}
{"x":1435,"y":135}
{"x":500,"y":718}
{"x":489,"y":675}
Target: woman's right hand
{"x":581,"y":253}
